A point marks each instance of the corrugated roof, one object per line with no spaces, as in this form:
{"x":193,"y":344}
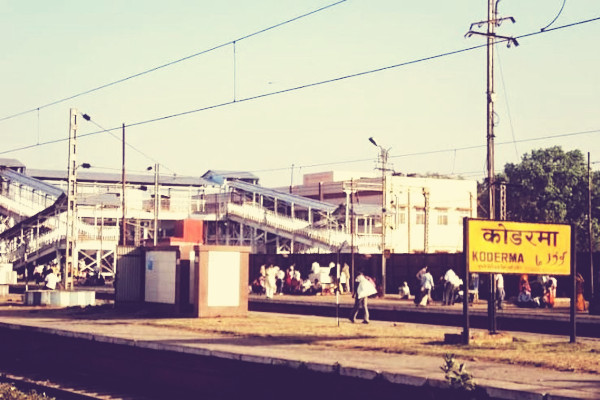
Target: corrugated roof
{"x":286,"y":197}
{"x":31,"y":182}
{"x":108,"y":177}
{"x":103,"y":199}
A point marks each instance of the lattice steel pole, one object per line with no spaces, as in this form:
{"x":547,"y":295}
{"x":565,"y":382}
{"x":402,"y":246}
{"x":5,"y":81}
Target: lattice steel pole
{"x":71,"y":237}
{"x":503,"y":201}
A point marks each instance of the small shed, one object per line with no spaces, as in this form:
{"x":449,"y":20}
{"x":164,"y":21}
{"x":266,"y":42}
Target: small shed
{"x":186,"y":279}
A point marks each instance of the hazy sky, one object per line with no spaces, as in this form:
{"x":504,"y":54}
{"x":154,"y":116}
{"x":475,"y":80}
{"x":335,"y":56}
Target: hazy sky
{"x":548,"y":86}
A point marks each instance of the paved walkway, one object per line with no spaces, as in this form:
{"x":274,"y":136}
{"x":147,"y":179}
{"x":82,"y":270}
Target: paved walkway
{"x":500,"y":380}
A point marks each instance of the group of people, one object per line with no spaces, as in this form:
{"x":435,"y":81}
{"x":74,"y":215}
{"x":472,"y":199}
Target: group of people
{"x":47,"y":275}
{"x":542,"y":295}
{"x":449,"y":285}
{"x":450,"y":288}
{"x":272,"y":280}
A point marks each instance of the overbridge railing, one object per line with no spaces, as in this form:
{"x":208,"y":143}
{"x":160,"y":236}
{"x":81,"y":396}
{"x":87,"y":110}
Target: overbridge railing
{"x":329,"y":236}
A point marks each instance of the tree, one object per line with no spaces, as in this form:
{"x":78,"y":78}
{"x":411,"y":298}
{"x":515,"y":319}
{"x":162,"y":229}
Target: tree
{"x":550,"y":185}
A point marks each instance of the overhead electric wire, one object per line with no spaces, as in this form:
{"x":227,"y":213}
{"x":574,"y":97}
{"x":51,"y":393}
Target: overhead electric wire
{"x":305,"y":86}
{"x":130,"y":145}
{"x":430,"y":152}
{"x":172,"y":62}
{"x":557,"y":15}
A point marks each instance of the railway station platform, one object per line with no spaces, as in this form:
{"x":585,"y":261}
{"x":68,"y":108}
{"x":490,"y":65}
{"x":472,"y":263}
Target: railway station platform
{"x":226,"y":366}
{"x":391,"y":308}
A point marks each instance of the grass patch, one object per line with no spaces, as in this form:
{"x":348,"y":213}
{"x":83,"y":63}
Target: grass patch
{"x":539,"y":351}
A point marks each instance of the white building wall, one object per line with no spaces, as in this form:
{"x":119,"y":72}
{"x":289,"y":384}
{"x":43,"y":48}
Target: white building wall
{"x":449,"y":201}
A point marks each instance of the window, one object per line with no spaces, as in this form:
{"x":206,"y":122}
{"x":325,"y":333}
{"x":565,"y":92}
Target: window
{"x":401,"y":216}
{"x":420,"y":217}
{"x":442,"y":217}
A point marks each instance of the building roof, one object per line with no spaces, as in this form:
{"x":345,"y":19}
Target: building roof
{"x":108,"y":177}
{"x":282,"y":196}
{"x":102,"y":199}
{"x":363,"y":210}
{"x":219,"y":176}
{"x":34,"y":183}
{"x":11,"y":163}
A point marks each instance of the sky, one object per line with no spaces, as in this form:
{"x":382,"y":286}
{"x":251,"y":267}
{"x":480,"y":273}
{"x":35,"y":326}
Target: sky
{"x":431,"y":114}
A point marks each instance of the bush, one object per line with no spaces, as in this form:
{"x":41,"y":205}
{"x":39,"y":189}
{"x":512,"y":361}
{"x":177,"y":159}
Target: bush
{"x":457,"y":375}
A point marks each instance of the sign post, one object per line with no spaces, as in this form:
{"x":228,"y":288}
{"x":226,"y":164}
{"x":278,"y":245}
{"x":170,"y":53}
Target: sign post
{"x":507,"y":247}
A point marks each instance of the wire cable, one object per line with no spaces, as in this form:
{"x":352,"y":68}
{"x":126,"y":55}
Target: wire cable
{"x":305,"y":86}
{"x":173,"y":62}
{"x":430,"y":152}
{"x":555,"y":18}
{"x":131,"y":146}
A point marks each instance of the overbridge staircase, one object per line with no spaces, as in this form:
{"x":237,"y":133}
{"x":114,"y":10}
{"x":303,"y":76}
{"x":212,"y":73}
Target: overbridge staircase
{"x":33,"y":230}
{"x":312,"y":223}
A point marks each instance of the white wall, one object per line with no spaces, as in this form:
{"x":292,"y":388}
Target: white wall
{"x":223,"y":279}
{"x":452,"y":198}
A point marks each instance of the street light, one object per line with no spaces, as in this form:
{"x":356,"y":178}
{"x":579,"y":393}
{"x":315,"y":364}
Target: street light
{"x":71,"y":252}
{"x":383,"y":156}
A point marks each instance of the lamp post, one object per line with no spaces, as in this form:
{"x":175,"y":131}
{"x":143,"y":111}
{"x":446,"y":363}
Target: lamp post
{"x":71,"y":255}
{"x":383,"y":157}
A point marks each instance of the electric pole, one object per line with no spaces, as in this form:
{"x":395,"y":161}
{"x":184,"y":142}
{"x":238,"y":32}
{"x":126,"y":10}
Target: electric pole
{"x":123,"y":222}
{"x":492,"y":22}
{"x":590,"y":233}
{"x":156,"y":203}
{"x":427,"y":210}
{"x":383,"y":159}
{"x":71,"y":238}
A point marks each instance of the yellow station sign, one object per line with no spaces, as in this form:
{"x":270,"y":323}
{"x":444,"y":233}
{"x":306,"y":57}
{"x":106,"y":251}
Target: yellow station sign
{"x":518,"y":247}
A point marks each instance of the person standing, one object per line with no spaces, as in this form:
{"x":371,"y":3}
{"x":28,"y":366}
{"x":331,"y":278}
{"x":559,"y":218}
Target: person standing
{"x":271,"y":281}
{"x":280,"y":280}
{"x":451,"y":285}
{"x":364,"y":289}
{"x":580,"y":304}
{"x":51,"y":280}
{"x":500,"y":293}
{"x":426,"y":288}
{"x":345,"y":279}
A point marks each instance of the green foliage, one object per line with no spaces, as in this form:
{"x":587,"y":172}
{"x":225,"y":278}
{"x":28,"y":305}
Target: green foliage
{"x":457,"y":375}
{"x":9,"y":392}
{"x":550,"y":185}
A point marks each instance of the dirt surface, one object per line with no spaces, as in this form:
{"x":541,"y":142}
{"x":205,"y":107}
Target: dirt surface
{"x":543,"y":351}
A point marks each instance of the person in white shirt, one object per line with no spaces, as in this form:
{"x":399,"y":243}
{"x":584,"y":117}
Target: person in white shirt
{"x":51,"y":280}
{"x":500,"y":293}
{"x":364,"y":289}
{"x":426,"y":288}
{"x":451,"y":285}
{"x":271,"y":281}
{"x":404,"y":291}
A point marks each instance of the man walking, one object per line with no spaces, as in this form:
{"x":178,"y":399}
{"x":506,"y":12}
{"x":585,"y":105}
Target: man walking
{"x":364,"y":289}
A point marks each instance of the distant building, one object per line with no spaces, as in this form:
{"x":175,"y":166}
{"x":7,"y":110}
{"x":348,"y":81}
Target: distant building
{"x":423,"y":214}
